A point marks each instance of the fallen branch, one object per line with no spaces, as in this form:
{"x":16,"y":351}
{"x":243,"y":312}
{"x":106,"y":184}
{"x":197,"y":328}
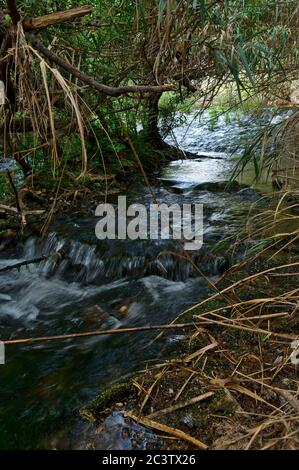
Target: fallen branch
{"x":107,"y":90}
{"x":170,"y":326}
{"x":255,"y":330}
{"x":59,"y":17}
{"x":179,"y":406}
{"x":98,"y":333}
{"x":167,"y":429}
{"x":200,"y":352}
{"x":14,"y":211}
{"x":24,"y":263}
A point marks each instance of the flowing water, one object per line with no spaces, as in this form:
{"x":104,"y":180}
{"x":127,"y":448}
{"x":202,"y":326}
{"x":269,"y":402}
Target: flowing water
{"x":43,"y":385}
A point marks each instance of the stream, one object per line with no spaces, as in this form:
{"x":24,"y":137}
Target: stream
{"x":111,"y":284}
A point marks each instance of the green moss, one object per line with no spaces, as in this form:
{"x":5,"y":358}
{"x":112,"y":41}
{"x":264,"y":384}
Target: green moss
{"x":106,"y":399}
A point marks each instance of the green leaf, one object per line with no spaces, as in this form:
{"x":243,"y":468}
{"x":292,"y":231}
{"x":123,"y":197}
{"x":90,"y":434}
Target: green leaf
{"x":245,"y":64}
{"x":256,"y":167}
{"x":162,"y":6}
{"x":202,"y":12}
{"x":282,"y":68}
{"x":7,"y":19}
{"x":221,"y":58}
{"x":141,"y":8}
{"x":235,"y":72}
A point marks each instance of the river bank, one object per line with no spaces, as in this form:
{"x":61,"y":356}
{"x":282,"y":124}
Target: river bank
{"x":121,"y":283}
{"x":231,"y":382}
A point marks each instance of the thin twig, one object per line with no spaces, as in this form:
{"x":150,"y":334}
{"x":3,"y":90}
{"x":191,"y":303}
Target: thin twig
{"x":24,"y":263}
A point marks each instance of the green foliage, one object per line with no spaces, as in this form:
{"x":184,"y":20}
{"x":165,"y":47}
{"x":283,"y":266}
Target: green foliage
{"x":7,"y":19}
{"x":209,"y":43}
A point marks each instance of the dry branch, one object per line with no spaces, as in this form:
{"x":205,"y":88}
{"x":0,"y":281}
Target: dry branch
{"x":167,"y":429}
{"x":14,"y":210}
{"x":107,"y":90}
{"x":59,"y":17}
{"x":179,"y":406}
{"x":99,"y":333}
{"x":24,"y":263}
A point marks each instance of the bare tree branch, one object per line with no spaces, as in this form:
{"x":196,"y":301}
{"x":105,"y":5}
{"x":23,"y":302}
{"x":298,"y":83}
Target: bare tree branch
{"x":59,"y":17}
{"x":107,"y":90}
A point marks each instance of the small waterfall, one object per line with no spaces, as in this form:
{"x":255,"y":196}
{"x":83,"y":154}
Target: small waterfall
{"x":73,"y":260}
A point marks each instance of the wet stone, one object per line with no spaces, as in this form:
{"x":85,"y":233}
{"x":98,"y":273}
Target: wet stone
{"x":117,"y":433}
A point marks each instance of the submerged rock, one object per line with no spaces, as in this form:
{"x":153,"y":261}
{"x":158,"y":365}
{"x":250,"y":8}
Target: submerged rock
{"x":118,"y":433}
{"x":96,"y":316}
{"x":219,"y":186}
{"x":5,"y":298}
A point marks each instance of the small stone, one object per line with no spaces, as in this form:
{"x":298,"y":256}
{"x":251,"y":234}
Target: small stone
{"x":295,"y":357}
{"x":278,"y":360}
{"x":119,"y":405}
{"x":123,"y":310}
{"x":188,"y":421}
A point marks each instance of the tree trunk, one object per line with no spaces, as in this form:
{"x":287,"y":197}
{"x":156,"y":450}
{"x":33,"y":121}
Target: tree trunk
{"x":151,"y":128}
